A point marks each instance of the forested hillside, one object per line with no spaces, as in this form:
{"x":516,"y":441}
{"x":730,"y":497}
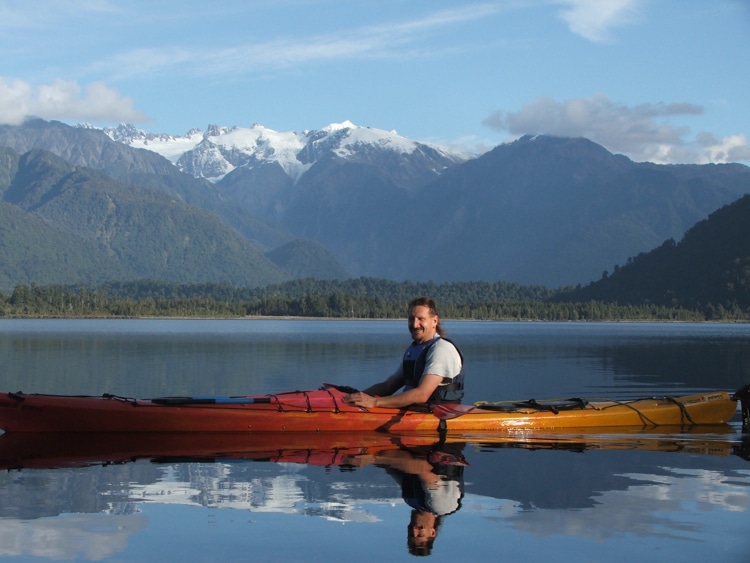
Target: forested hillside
{"x":71,"y":224}
{"x":708,"y":269}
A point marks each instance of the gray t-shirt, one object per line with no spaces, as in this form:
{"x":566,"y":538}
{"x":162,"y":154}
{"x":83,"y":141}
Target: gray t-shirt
{"x":443,"y":359}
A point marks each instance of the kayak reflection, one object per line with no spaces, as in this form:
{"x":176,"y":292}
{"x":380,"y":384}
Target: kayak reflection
{"x":412,"y":454}
{"x":49,"y":450}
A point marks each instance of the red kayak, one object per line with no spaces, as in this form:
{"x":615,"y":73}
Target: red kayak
{"x":325,"y":410}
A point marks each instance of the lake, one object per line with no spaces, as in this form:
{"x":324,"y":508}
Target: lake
{"x":636,"y":495}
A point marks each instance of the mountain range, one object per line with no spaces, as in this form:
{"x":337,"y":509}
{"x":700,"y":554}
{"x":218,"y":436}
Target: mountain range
{"x":252,"y":206}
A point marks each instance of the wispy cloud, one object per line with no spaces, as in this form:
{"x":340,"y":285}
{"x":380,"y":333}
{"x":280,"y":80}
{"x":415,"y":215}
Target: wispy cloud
{"x":643,"y":132}
{"x":377,"y":41}
{"x":20,"y":14}
{"x":595,"y":19}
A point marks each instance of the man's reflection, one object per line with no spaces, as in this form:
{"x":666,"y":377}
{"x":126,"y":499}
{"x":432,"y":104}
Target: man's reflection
{"x":432,"y":484}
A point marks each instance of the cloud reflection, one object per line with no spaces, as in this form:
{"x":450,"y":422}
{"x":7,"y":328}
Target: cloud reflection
{"x":90,"y":536}
{"x":653,"y":505}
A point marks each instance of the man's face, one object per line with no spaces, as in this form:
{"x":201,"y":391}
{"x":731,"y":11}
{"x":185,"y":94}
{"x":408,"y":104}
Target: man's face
{"x":422,"y":531}
{"x":422,"y":325}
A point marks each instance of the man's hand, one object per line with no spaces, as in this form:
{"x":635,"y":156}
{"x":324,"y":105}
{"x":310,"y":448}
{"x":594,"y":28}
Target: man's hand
{"x":361,"y":400}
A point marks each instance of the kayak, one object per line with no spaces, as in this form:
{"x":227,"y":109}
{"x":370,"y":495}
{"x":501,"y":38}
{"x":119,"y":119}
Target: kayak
{"x":325,"y":410}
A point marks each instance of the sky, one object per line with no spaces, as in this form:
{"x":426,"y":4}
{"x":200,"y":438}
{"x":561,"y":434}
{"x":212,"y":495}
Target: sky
{"x":664,"y":81}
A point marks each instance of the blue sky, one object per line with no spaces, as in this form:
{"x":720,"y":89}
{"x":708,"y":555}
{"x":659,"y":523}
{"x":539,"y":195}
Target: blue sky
{"x":658,"y":80}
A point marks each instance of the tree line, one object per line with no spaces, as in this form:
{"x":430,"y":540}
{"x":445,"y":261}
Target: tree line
{"x":362,"y":298}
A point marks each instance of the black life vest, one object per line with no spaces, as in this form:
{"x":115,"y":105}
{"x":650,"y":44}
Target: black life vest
{"x":415,"y":359}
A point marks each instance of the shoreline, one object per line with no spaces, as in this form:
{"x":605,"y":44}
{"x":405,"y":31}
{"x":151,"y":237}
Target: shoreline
{"x":332,"y":319}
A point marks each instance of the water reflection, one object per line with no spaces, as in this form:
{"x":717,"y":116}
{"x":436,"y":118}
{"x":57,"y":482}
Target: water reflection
{"x":67,"y":496}
{"x":208,"y":470}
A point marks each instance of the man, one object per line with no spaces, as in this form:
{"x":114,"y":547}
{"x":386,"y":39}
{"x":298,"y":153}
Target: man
{"x":431,"y":371}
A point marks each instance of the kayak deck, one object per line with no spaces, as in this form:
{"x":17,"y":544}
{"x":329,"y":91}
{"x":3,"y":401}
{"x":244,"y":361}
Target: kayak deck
{"x":701,"y":409}
{"x":324,"y":410}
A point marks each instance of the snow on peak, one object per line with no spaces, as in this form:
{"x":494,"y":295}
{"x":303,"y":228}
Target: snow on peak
{"x":261,"y":144}
{"x":339,"y":126}
{"x":345,"y":138}
{"x":218,"y":150}
{"x":168,"y":146}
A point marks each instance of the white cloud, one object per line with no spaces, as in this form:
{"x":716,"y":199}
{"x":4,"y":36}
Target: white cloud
{"x":593,"y":19}
{"x":65,"y":100}
{"x":642,"y":132}
{"x":734,"y":148}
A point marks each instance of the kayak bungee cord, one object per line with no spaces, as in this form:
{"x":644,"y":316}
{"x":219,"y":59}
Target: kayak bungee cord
{"x":647,"y":421}
{"x":130,"y":400}
{"x":682,"y":408}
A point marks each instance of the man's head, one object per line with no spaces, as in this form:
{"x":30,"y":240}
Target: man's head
{"x":422,"y":532}
{"x":424,"y":321}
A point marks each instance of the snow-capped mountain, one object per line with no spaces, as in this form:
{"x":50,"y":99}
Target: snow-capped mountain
{"x":542,"y":210}
{"x":216,"y":152}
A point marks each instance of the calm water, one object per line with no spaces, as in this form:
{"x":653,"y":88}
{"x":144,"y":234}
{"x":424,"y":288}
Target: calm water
{"x":643,"y":495}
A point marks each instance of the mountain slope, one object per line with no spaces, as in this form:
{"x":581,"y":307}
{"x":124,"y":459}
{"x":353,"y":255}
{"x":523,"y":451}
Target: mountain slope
{"x":342,"y":185}
{"x":711,"y":264}
{"x":307,"y":259}
{"x":92,"y":148}
{"x":32,"y":251}
{"x":146,"y":232}
{"x":541,"y":210}
{"x":555,"y":211}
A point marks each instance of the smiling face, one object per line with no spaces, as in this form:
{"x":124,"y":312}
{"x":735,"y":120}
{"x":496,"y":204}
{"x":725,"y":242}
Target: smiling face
{"x":422,"y":532}
{"x":422,"y":324}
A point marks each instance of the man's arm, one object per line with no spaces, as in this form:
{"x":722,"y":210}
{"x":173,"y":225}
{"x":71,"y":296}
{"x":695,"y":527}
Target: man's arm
{"x":419,"y":394}
{"x":387,"y":387}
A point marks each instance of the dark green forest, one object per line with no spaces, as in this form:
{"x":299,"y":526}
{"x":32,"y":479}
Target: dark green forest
{"x":362,"y":298}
